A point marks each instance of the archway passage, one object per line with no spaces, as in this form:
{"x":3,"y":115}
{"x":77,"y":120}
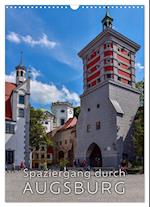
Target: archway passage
{"x":94,"y":156}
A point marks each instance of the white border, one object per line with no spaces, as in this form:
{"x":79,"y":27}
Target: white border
{"x":2,"y":78}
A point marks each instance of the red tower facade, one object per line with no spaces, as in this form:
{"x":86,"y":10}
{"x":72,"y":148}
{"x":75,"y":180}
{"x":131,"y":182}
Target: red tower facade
{"x":110,"y":56}
{"x":109,"y":101}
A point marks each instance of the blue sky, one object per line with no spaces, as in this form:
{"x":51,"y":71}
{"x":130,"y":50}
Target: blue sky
{"x":50,"y":40}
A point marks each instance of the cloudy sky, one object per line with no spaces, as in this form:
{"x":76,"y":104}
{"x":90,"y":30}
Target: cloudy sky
{"x":50,"y":40}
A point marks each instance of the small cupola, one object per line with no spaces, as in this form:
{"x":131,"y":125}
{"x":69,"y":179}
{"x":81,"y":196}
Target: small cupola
{"x":107,"y":20}
{"x":20,"y":71}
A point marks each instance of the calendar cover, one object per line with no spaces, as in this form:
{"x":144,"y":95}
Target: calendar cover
{"x":74,"y":103}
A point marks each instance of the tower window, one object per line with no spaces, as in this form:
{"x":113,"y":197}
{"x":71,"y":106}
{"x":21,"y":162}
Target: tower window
{"x":119,"y":49}
{"x":98,"y":125}
{"x":62,"y":111}
{"x":119,"y":78}
{"x":21,"y":99}
{"x":21,"y":112}
{"x":89,"y":85}
{"x":88,"y":128}
{"x":118,"y":63}
{"x":17,"y":73}
{"x":98,"y":80}
{"x":42,"y":156}
{"x":62,"y":121}
{"x":98,"y":105}
{"x":109,"y":76}
{"x":89,"y":109}
{"x":21,"y":73}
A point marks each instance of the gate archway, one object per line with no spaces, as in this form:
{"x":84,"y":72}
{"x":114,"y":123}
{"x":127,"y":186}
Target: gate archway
{"x":94,"y":156}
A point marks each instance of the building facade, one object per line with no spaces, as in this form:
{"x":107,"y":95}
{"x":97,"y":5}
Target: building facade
{"x":64,"y":138}
{"x":62,"y":112}
{"x":17,"y":119}
{"x":42,"y":156}
{"x":55,"y":121}
{"x":109,"y":101}
{"x":48,"y":123}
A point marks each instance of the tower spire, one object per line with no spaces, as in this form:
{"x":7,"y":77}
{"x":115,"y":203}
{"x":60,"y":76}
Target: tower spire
{"x":107,"y":20}
{"x":21,"y":57}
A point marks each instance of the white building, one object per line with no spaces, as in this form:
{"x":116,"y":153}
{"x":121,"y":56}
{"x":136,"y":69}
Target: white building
{"x":17,"y":119}
{"x":62,"y":111}
{"x":48,"y":123}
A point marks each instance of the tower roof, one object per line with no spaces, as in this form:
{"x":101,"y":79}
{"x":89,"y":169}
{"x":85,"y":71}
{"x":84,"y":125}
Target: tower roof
{"x":107,"y":16}
{"x":107,"y":20}
{"x":103,"y":35}
{"x":9,"y":87}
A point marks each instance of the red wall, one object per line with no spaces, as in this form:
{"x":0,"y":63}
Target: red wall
{"x":93,"y":62}
{"x":124,"y":73}
{"x":95,"y":75}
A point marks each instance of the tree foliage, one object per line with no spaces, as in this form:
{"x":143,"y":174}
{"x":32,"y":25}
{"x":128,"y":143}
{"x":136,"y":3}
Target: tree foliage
{"x":140,"y":87}
{"x":77,"y":111}
{"x":38,"y":134}
{"x":139,"y":132}
{"x":139,"y":123}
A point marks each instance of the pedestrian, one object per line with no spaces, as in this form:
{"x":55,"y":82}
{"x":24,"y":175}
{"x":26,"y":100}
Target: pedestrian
{"x":22,"y":166}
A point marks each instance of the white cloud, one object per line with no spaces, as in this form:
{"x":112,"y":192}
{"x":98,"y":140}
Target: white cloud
{"x":11,"y":77}
{"x":28,"y":39}
{"x":46,"y":93}
{"x":43,"y":93}
{"x":34,"y":73}
{"x":139,"y":66}
{"x":13,"y":37}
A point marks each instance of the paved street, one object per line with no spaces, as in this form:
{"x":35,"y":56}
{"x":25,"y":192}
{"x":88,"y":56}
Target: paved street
{"x":133,"y":186}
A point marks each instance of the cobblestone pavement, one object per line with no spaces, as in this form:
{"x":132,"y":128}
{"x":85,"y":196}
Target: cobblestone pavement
{"x":15,"y":183}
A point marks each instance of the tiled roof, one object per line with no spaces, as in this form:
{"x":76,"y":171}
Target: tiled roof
{"x":70,"y":123}
{"x":9,"y":87}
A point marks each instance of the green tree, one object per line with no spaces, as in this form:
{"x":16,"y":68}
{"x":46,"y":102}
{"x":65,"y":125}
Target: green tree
{"x":139,"y":123}
{"x":38,"y":134}
{"x":77,"y":111}
{"x":139,"y":132}
{"x":140,"y":86}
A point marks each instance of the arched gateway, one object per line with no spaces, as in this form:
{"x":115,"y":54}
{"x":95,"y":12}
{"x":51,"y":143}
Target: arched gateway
{"x":94,"y":156}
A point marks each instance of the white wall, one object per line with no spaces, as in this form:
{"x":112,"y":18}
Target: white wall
{"x":16,"y":141}
{"x":67,"y":114}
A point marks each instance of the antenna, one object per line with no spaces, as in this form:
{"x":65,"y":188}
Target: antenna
{"x":107,"y":10}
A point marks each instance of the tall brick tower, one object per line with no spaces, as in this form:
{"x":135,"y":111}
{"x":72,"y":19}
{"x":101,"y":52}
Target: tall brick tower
{"x":109,"y":101}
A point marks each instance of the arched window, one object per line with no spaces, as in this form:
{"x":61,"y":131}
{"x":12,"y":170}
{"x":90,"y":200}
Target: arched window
{"x":21,"y":73}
